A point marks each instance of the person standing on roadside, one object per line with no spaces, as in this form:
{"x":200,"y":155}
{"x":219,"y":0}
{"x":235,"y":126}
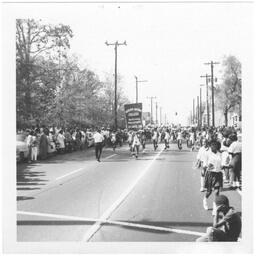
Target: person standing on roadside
{"x":201,"y":162}
{"x":213,"y":176}
{"x":29,"y":144}
{"x":235,"y":151}
{"x":43,"y":144}
{"x":98,"y":140}
{"x":34,"y":147}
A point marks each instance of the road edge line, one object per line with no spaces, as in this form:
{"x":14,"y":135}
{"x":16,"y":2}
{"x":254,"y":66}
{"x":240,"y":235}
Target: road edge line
{"x":78,"y":170}
{"x":117,"y":223}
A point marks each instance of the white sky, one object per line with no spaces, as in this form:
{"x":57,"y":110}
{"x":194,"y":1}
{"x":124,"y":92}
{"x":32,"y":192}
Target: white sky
{"x":167,"y":44}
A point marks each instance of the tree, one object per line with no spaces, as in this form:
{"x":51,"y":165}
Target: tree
{"x":108,"y":98}
{"x":229,"y":93}
{"x":77,"y":97}
{"x":39,"y":48}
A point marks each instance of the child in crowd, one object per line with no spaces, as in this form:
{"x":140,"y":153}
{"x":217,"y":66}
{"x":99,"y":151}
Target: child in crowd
{"x":213,"y":175}
{"x":201,"y":161}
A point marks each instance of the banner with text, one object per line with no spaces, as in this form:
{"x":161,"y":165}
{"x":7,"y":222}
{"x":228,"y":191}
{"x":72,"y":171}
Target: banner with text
{"x":133,"y":113}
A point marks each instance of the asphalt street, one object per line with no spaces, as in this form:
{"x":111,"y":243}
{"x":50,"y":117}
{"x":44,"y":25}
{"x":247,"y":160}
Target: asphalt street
{"x":72,"y":197}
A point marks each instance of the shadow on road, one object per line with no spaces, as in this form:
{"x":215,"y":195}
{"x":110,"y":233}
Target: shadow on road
{"x":20,"y":198}
{"x":142,"y":222}
{"x":28,"y":179}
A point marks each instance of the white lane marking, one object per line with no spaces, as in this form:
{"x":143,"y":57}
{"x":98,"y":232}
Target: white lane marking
{"x":110,"y":156}
{"x":70,"y":173}
{"x":121,"y":198}
{"x":80,"y":169}
{"x":118,"y":223}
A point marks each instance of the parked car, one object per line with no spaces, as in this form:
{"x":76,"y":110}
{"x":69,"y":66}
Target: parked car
{"x":21,"y":147}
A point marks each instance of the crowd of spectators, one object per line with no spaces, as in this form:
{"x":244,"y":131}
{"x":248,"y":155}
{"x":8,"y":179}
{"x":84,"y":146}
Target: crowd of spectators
{"x":42,"y":142}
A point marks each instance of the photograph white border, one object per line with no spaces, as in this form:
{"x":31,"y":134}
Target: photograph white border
{"x":12,"y":11}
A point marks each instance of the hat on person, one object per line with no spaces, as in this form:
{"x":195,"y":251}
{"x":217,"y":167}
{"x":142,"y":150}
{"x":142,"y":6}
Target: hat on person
{"x":221,"y":199}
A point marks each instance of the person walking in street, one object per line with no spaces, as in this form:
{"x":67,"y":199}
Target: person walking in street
{"x":167,"y":139}
{"x":113,"y":140}
{"x":136,"y":144}
{"x":155,"y":138}
{"x":226,"y":223}
{"x":143,"y":140}
{"x":179,"y":139}
{"x":201,"y":162}
{"x":129,"y":140}
{"x":213,"y":175}
{"x":98,"y":140}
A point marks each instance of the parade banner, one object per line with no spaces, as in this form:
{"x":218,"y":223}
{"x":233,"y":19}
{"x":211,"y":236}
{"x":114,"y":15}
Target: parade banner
{"x":133,"y":114}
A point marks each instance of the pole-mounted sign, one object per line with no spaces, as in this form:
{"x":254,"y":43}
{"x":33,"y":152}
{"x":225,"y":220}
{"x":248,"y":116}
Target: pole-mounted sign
{"x":133,"y":114}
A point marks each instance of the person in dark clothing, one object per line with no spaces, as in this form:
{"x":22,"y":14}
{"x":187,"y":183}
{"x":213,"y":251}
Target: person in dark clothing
{"x":226,"y":223}
{"x":43,"y":145}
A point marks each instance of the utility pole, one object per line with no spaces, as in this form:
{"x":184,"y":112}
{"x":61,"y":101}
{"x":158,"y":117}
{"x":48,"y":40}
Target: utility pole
{"x":207,"y":99}
{"x":116,"y":44}
{"x":212,"y":83}
{"x":200,"y":107}
{"x":151,"y":106}
{"x":137,"y":90}
{"x":193,"y":111}
{"x":198,"y":120}
{"x":165,"y":119}
{"x":156,"y":113}
{"x":160,"y":115}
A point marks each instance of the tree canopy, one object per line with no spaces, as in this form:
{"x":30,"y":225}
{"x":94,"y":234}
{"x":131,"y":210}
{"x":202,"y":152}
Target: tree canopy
{"x":52,"y":88}
{"x":229,"y":92}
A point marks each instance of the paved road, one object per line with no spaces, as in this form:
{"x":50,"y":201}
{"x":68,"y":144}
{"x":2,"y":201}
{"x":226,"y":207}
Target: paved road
{"x":72,"y":197}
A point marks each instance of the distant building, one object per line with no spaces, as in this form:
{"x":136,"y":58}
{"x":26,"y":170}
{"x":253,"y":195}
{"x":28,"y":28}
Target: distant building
{"x":233,"y":118}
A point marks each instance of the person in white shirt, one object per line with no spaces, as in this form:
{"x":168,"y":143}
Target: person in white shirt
{"x":34,"y":147}
{"x":201,"y":162}
{"x":167,"y":139}
{"x":29,"y":144}
{"x":98,"y":140}
{"x":192,"y":140}
{"x":179,"y":139}
{"x":113,"y":140}
{"x":61,"y":141}
{"x":225,"y":160}
{"x":136,"y":144}
{"x":235,"y":152}
{"x":155,"y":138}
{"x":130,"y":140}
{"x":213,"y":175}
